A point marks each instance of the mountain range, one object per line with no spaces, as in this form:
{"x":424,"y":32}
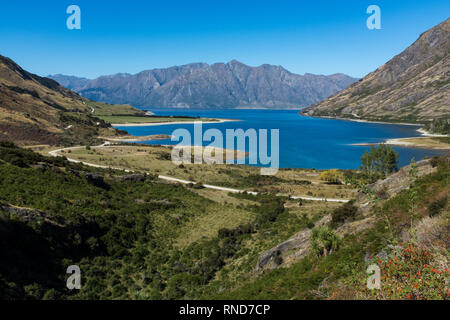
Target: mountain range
{"x":200,"y":85}
{"x":413,"y":86}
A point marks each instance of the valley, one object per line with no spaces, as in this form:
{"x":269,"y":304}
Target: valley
{"x":88,"y":179}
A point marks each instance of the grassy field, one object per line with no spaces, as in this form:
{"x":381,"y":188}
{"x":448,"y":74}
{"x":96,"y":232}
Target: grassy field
{"x":442,"y":139}
{"x":409,"y":273}
{"x":105,"y":109}
{"x":150,"y":239}
{"x":125,"y":114}
{"x":156,"y":159}
{"x":144,"y":119}
{"x":423,"y":142}
{"x":135,"y":234}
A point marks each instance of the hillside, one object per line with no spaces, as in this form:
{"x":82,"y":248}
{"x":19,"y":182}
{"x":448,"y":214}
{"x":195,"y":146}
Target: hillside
{"x":199,"y":85}
{"x":413,"y":86}
{"x":135,"y":237}
{"x":37,"y":110}
{"x":411,"y":249}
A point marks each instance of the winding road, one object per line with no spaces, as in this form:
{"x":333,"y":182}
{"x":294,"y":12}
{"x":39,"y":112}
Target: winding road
{"x":54,"y":153}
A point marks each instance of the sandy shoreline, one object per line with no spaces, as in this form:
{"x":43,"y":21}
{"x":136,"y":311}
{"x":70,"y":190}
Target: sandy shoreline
{"x":418,"y":142}
{"x":410,"y":142}
{"x":364,"y":121}
{"x":382,"y":122}
{"x":169,"y":123}
{"x":414,"y":142}
{"x":425,"y":133}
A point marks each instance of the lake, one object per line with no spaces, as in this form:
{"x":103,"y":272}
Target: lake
{"x":304,"y":142}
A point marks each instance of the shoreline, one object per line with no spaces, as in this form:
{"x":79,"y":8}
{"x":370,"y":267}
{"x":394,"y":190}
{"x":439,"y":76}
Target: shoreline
{"x":365,"y":121}
{"x":425,"y":133}
{"x":402,"y":142}
{"x":130,"y":138}
{"x":412,"y":142}
{"x":169,"y":123}
{"x":383,"y":122}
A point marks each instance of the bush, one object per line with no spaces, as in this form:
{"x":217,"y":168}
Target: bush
{"x":409,"y":274}
{"x":323,"y":241}
{"x":437,"y":206}
{"x":344,"y":213}
{"x":332,"y":176}
{"x":434,"y":162}
{"x":278,"y":259}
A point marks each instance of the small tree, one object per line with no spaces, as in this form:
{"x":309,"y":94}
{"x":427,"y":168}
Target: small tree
{"x":439,"y":126}
{"x":331,"y":176}
{"x":323,"y":241}
{"x":413,"y":192}
{"x":379,"y":161}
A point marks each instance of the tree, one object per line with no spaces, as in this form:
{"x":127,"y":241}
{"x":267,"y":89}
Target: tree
{"x":439,"y":126}
{"x":391,"y":159}
{"x":379,"y":161}
{"x":413,"y":191}
{"x":331,"y":176}
{"x":323,"y":241}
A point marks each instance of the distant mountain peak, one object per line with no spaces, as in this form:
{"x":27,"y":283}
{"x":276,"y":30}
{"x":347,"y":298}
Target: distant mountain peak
{"x":234,"y":61}
{"x":220,"y":85}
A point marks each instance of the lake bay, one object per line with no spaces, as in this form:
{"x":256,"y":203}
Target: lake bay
{"x":304,"y":142}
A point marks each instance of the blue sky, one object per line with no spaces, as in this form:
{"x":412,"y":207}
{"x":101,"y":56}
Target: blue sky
{"x":321,"y":37}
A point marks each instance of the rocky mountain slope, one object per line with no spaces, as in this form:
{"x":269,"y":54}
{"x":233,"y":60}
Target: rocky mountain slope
{"x":37,"y":110}
{"x":199,"y":85}
{"x":413,"y":86}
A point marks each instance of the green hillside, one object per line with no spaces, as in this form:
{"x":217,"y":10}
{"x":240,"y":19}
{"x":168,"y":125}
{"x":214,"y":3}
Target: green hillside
{"x":124,"y":232}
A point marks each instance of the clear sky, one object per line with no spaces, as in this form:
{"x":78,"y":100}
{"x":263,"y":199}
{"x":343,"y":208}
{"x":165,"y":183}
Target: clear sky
{"x":321,"y":37}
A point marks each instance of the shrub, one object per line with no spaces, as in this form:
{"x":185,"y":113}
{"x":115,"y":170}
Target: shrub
{"x":434,"y":162}
{"x":323,"y":241}
{"x":278,"y":259}
{"x":346,"y":212}
{"x":198,"y":186}
{"x":382,"y":194}
{"x":332,"y":176}
{"x":437,"y":206}
{"x":409,"y":274}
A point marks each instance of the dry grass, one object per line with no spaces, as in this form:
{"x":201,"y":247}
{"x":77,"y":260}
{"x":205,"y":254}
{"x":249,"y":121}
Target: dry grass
{"x":432,"y":233}
{"x":156,"y":159}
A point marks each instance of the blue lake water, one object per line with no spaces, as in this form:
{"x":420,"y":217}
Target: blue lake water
{"x":304,"y":142}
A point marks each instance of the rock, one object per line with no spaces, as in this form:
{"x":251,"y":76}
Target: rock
{"x":29,"y":215}
{"x":24,"y":213}
{"x":398,"y":181}
{"x":41,"y":166}
{"x":298,"y":244}
{"x":95,"y":179}
{"x":135,"y":177}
